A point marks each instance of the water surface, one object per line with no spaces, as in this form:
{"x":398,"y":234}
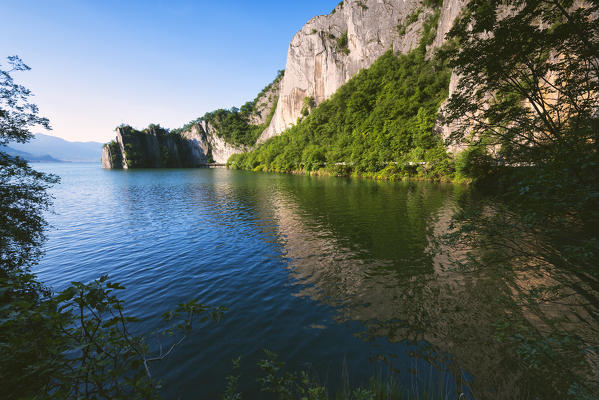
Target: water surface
{"x":335,"y":275}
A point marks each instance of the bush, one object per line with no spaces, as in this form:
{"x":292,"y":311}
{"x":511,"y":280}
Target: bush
{"x":342,"y":43}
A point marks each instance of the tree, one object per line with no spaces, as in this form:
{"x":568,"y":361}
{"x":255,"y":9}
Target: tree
{"x":529,"y":84}
{"x":529,"y":93}
{"x":23,"y":199}
{"x":526,"y":109}
{"x":23,"y":196}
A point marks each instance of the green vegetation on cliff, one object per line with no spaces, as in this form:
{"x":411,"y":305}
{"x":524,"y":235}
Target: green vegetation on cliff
{"x":379,"y":123}
{"x":154,"y":147}
{"x":115,"y":153}
{"x":235,"y":125}
{"x":137,"y":145}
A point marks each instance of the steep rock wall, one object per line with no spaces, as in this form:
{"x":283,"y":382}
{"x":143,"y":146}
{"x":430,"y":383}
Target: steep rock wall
{"x":153,"y":148}
{"x":107,"y":157}
{"x":318,"y":63}
{"x":265,"y":102}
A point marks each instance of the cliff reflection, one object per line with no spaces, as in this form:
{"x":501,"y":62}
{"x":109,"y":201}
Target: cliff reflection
{"x":371,"y":250}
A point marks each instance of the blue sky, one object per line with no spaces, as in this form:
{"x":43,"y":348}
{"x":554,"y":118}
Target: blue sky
{"x":97,"y":64}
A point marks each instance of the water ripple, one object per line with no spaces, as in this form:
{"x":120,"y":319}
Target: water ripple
{"x":291,"y":257}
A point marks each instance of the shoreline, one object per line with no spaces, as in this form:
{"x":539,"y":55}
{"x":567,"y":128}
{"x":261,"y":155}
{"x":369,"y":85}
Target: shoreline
{"x":377,"y":176}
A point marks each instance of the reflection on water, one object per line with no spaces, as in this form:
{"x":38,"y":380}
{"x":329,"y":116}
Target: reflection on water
{"x":327,"y":271}
{"x":364,"y":248}
{"x":367,"y":251}
{"x":350,"y":247}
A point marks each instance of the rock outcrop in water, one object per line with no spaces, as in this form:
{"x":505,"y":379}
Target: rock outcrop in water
{"x":155,"y":147}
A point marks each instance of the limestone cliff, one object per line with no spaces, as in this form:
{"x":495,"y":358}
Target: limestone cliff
{"x":155,"y":147}
{"x":330,"y":49}
{"x":263,"y":105}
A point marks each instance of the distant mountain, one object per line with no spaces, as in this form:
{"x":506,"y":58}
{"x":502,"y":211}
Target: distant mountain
{"x":27,"y":156}
{"x":44,"y":145}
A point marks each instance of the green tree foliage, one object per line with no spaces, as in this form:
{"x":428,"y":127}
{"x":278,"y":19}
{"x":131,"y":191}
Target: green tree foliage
{"x":78,"y":344}
{"x":17,"y":114}
{"x":23,"y":200}
{"x":287,"y":385}
{"x":380,"y":122}
{"x":339,"y":5}
{"x":528,"y":93}
{"x":410,"y":19}
{"x":139,"y":146}
{"x":536,"y":71}
{"x":429,"y":30}
{"x":307,"y":105}
{"x":23,"y":197}
{"x":115,"y":153}
{"x":233,"y":125}
{"x":342,"y":43}
{"x":433,"y":3}
{"x":526,"y":108}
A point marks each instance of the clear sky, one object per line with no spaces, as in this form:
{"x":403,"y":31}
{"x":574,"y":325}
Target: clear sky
{"x":97,"y":64}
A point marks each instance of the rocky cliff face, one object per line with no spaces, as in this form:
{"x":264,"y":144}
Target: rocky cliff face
{"x":107,"y":157}
{"x":266,"y":101}
{"x":213,"y":145}
{"x":157,"y":148}
{"x":330,"y":49}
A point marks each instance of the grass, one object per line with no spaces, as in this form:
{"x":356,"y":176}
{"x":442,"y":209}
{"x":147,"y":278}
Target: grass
{"x":283,"y":384}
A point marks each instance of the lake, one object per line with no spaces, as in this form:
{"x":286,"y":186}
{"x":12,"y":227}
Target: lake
{"x":336,"y":275}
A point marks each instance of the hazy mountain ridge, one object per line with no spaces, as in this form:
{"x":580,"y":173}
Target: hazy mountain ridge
{"x":60,"y":149}
{"x":28,"y":156}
